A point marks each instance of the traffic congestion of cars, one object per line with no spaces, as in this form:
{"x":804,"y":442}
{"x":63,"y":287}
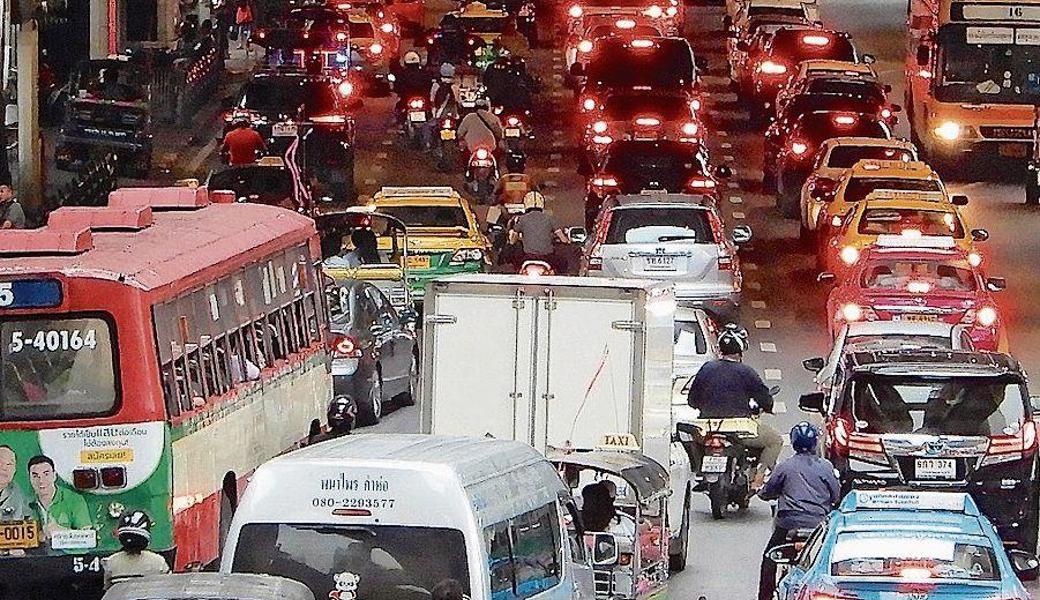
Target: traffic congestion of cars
{"x":195,"y":377}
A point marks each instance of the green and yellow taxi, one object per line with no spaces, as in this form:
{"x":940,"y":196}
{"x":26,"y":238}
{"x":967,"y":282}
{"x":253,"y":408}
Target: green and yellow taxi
{"x":444,"y":236}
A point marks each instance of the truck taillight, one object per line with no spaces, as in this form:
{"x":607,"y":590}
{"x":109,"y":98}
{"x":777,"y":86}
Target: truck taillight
{"x":345,"y":346}
{"x":725,"y":261}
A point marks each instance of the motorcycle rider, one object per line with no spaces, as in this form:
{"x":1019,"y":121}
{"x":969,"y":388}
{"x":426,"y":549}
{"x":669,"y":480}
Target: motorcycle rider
{"x":508,"y":84}
{"x":341,"y":415}
{"x":135,"y":559}
{"x":243,"y":144}
{"x":411,"y":81}
{"x":513,"y":42}
{"x":480,"y":129}
{"x":807,"y":490}
{"x":451,"y":43}
{"x":723,"y":389}
{"x":534,"y":232}
{"x":444,"y":101}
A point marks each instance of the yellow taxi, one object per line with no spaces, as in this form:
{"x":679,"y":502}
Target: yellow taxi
{"x":900,"y":213}
{"x":444,"y":235}
{"x":479,"y":20}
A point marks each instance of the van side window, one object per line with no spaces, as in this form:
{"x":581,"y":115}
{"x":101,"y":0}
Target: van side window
{"x":572,"y":518}
{"x":524,"y":554}
{"x":500,"y":560}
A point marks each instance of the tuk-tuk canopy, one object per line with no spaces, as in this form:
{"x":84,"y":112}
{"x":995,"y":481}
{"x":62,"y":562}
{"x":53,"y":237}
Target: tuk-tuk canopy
{"x":643,"y":474}
{"x":334,"y":226}
{"x":209,"y":586}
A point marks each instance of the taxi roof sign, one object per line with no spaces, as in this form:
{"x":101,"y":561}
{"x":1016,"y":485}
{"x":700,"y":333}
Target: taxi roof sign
{"x":619,"y":442}
{"x":890,"y":240}
{"x":874,"y":164}
{"x":417,"y":192}
{"x":882,"y":194}
{"x":958,"y":502}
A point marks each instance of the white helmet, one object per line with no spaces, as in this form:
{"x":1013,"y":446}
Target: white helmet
{"x":412,"y":58}
{"x":534,"y":199}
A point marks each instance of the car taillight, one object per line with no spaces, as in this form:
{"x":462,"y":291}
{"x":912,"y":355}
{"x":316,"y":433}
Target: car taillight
{"x":329,"y":119}
{"x":260,"y":33}
{"x":376,"y":48}
{"x":588,"y":104}
{"x":839,"y":430}
{"x":113,"y":477}
{"x":700,"y":183}
{"x":654,"y":12}
{"x":625,"y":24}
{"x":85,"y":479}
{"x":599,"y":126}
{"x":482,"y":154}
{"x":852,"y":313}
{"x":416,"y":103}
{"x":799,"y":148}
{"x":346,"y":88}
{"x":585,"y":46}
{"x":772,"y":68}
{"x":605,"y":181}
{"x":643,"y":44}
{"x":690,"y":129}
{"x":575,"y":11}
{"x":595,"y":262}
{"x":345,"y":346}
{"x":602,"y":140}
{"x":695,"y":105}
{"x":816,"y":40}
{"x":886,"y":113}
{"x":386,"y":28}
{"x":1005,"y":448}
{"x":513,"y":122}
{"x":865,"y":446}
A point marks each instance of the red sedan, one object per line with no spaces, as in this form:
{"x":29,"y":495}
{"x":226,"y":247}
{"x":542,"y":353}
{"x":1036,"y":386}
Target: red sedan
{"x":931,"y":281}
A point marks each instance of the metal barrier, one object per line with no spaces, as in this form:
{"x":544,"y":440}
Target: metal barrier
{"x":90,"y":187}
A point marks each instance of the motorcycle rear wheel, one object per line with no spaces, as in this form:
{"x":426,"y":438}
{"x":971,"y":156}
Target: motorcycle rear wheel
{"x":718,"y":496}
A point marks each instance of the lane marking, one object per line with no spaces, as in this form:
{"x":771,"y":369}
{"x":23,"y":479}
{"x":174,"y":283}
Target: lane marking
{"x":753,"y":285}
{"x":763,"y":324}
{"x":726,"y":145}
{"x":550,"y":183}
{"x":733,"y":185}
{"x":557,"y":132}
{"x":555,"y":156}
{"x":772,"y":374}
{"x":388,"y":142}
{"x":370,"y":182}
{"x":721,"y":134}
{"x":759,"y":304}
{"x":382,"y":155}
{"x":750,"y":266}
{"x":728,"y":158}
{"x":779,"y":407}
{"x":767,"y":346}
{"x":553,"y":169}
{"x":738,"y":215}
{"x":735,"y":200}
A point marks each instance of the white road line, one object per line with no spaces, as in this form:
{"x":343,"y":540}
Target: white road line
{"x":721,"y":134}
{"x":767,"y":346}
{"x":550,"y":183}
{"x":763,"y":324}
{"x":555,"y":156}
{"x":557,"y":77}
{"x":388,"y":142}
{"x":370,"y":182}
{"x":726,"y":145}
{"x":735,"y":200}
{"x":779,"y":407}
{"x":553,"y":169}
{"x":738,"y":215}
{"x":728,"y":158}
{"x":557,"y":132}
{"x":382,"y":155}
{"x":750,"y":266}
{"x":758,"y":304}
{"x":772,"y":374}
{"x":733,"y":185}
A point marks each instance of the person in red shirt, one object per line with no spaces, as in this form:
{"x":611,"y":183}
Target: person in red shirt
{"x":242,"y":144}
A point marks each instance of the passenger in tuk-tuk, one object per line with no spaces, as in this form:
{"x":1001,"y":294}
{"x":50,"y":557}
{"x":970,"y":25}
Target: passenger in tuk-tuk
{"x":364,"y":252}
{"x":598,"y":512}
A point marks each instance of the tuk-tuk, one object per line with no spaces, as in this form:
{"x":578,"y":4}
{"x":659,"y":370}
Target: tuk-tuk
{"x":389,"y":274}
{"x":209,"y":586}
{"x":630,"y":560}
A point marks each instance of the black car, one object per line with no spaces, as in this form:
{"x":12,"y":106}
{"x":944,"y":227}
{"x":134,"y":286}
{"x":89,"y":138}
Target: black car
{"x":936,"y":419}
{"x":648,"y":167}
{"x":268,"y":181}
{"x":375,"y":357}
{"x":789,"y":46}
{"x":279,"y":101}
{"x":791,"y":145}
{"x":650,"y":63}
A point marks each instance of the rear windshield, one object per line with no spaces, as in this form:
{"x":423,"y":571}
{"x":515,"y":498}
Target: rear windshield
{"x":880,"y":221}
{"x":966,"y":406}
{"x":918,"y":556}
{"x":288,"y":94}
{"x":56,"y":368}
{"x":428,"y":216}
{"x":859,"y":188}
{"x":378,"y":562}
{"x":627,"y":107}
{"x":786,"y":11}
{"x":823,"y":126}
{"x":844,"y":86}
{"x":263,"y":182}
{"x":605,"y":30}
{"x":919,"y":276}
{"x":669,"y":64}
{"x":652,"y":225}
{"x":483,"y":24}
{"x":807,"y":103}
{"x":799,"y":45}
{"x":638,"y":158}
{"x":843,"y":157}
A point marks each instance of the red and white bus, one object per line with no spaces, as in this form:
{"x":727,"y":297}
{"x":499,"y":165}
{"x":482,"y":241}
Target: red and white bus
{"x":153,"y":353}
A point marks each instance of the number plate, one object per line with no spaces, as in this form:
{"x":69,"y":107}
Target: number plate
{"x":19,"y":535}
{"x":660,"y":263}
{"x":1012,"y":150}
{"x":418,"y":262}
{"x":714,"y":464}
{"x":283,"y":129}
{"x":447,"y":134}
{"x":935,"y":468}
{"x":512,"y":132}
{"x":652,"y":192}
{"x":417,"y":116}
{"x":919,"y":318}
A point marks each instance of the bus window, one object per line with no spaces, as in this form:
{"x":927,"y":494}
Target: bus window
{"x":57,"y":368}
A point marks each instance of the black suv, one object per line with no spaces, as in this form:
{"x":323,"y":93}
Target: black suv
{"x":936,"y":419}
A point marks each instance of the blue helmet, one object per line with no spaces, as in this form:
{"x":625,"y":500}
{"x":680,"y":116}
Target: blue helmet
{"x":804,"y":437}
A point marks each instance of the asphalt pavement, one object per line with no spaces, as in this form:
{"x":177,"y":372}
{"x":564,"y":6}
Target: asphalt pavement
{"x":783,"y":306}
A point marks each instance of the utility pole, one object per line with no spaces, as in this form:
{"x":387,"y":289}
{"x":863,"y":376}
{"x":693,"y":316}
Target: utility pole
{"x":30,"y":146}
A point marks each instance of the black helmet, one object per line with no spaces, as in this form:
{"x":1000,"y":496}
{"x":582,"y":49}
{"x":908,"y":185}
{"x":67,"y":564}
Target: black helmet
{"x":733,"y":340}
{"x":516,"y":161}
{"x":134,"y":531}
{"x":342,"y":412}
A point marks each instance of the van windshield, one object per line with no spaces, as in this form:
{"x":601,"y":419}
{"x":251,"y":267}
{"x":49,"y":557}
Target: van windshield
{"x":377,"y":562}
{"x":968,"y":406}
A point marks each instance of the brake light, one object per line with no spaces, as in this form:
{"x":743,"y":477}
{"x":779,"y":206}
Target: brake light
{"x":386,"y":28}
{"x":599,"y":127}
{"x":513,"y":122}
{"x":1006,"y":448}
{"x":602,"y":140}
{"x":799,"y":148}
{"x":341,"y":36}
{"x":625,"y":24}
{"x":772,"y":68}
{"x":346,"y":88}
{"x":642,"y":44}
{"x":595,"y":262}
{"x":588,"y":104}
{"x":865,"y":446}
{"x":654,"y":12}
{"x":815,"y":40}
{"x":260,"y":33}
{"x":376,"y":48}
{"x":585,"y":46}
{"x":605,"y":181}
{"x":575,"y":11}
{"x":701,"y":183}
{"x":886,"y":113}
{"x":987,"y":316}
{"x":329,"y":119}
{"x":844,"y":120}
{"x":345,"y":346}
{"x":648,"y":122}
{"x":695,"y":105}
{"x":416,"y":103}
{"x":690,"y":129}
{"x":839,"y":435}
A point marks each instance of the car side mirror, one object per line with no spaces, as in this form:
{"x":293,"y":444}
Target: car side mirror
{"x":826,"y":277}
{"x":741,"y":234}
{"x":924,"y":56}
{"x":743,"y":46}
{"x":723,"y":172}
{"x":814,"y":365}
{"x":1025,"y":565}
{"x":979,"y":235}
{"x":959,"y":200}
{"x":811,"y":402}
{"x":783,"y":554}
{"x":996,"y":284}
{"x":577,"y":69}
{"x":577,"y":235}
{"x":869,"y":59}
{"x":605,"y":551}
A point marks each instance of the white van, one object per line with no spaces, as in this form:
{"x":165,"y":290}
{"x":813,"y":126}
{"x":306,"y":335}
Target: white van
{"x":388,"y":517}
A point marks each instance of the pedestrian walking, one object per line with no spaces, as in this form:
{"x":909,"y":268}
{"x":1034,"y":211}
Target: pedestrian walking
{"x":244,"y":23}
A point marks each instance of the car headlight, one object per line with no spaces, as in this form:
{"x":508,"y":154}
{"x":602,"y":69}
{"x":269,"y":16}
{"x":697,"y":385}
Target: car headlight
{"x":987,"y":316}
{"x":463,"y":255}
{"x":849,"y":255}
{"x":948,"y":131}
{"x":851,"y":312}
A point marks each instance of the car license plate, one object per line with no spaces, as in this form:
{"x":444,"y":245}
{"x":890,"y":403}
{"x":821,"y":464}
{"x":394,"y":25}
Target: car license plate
{"x":920,"y":318}
{"x":714,"y":464}
{"x":935,"y":468}
{"x":19,"y":535}
{"x":652,"y":192}
{"x":418,"y":262}
{"x":283,"y":129}
{"x":447,"y":134}
{"x":417,"y":116}
{"x":512,"y":132}
{"x":660,"y":263}
{"x":1012,"y":150}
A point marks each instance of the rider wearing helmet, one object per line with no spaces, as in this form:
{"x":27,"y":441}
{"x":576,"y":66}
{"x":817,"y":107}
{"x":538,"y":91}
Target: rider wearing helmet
{"x":480,"y":128}
{"x":535,"y":231}
{"x":134,"y":560}
{"x":411,"y":81}
{"x":444,"y":101}
{"x":342,"y":415}
{"x":725,"y":389}
{"x":806,"y":489}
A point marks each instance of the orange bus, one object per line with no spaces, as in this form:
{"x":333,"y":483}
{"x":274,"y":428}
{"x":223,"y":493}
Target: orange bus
{"x":972,"y":80}
{"x":153,"y":353}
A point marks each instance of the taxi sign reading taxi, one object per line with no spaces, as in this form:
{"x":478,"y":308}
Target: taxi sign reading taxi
{"x":947,"y":501}
{"x":30,"y":293}
{"x":625,"y":442}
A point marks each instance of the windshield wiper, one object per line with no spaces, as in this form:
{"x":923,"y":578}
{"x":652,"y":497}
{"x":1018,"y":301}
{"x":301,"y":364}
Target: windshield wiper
{"x":675,"y":238}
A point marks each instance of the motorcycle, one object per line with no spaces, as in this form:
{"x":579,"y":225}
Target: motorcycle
{"x":445,"y":145}
{"x":515,"y":127}
{"x":726,"y":465}
{"x":526,"y":24}
{"x":482,"y":174}
{"x":415,"y":117}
